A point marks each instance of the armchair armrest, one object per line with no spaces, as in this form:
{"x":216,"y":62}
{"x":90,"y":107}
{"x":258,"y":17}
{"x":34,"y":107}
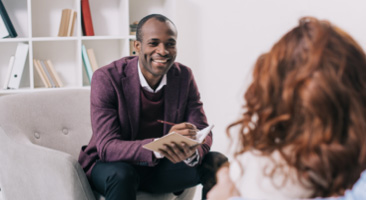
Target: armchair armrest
{"x":29,"y":171}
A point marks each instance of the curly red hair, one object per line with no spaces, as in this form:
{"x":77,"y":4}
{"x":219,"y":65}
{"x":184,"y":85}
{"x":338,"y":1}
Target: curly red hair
{"x":309,"y":93}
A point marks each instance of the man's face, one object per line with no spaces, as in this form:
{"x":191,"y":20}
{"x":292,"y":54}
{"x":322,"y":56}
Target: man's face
{"x":157,"y":50}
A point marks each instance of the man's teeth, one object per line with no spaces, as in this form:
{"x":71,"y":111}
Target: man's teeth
{"x":161,"y":61}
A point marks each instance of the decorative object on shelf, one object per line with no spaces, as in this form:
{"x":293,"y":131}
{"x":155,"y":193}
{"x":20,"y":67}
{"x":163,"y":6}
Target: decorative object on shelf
{"x":6,"y":27}
{"x":86,"y":62}
{"x":133,"y":28}
{"x":20,"y":58}
{"x":92,"y":59}
{"x":68,"y":18}
{"x":87,"y":22}
{"x":132,"y":48}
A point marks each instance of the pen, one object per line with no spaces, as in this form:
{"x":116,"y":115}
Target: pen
{"x":165,"y":122}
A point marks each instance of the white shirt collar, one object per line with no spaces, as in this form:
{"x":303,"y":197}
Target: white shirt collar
{"x":146,"y":86}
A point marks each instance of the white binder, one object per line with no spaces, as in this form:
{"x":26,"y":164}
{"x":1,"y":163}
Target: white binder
{"x":8,"y":73}
{"x":20,"y":57}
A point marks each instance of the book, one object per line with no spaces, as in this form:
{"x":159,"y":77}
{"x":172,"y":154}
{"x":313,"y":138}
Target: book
{"x":20,"y":58}
{"x":92,"y":59}
{"x":48,"y":83}
{"x":6,"y":27}
{"x":40,"y":72}
{"x":87,"y":22}
{"x":8,"y":73}
{"x":178,"y":138}
{"x":86,"y":62}
{"x":52,"y":76}
{"x":57,"y":79}
{"x":64,"y":24}
{"x":48,"y":74}
{"x":72,"y":19}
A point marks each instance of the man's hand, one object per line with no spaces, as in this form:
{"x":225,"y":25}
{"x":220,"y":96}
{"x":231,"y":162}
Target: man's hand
{"x":186,"y":129}
{"x":178,"y":152}
{"x":225,"y":187}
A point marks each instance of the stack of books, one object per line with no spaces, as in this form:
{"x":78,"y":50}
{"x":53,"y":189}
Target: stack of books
{"x":67,"y":23}
{"x":47,"y":73}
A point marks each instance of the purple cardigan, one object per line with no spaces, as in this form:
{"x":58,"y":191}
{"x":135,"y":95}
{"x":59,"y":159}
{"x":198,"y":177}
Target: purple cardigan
{"x":115,"y":110}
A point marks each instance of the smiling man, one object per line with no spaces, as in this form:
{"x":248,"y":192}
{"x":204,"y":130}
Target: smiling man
{"x":128,"y":97}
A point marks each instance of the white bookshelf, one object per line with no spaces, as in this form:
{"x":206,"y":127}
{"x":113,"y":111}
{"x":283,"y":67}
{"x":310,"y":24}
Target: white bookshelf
{"x":37,"y":24}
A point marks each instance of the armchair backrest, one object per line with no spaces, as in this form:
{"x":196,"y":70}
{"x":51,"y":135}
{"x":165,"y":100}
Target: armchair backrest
{"x":57,"y":119}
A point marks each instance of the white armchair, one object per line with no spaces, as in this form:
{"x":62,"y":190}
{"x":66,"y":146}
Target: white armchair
{"x":41,"y":134}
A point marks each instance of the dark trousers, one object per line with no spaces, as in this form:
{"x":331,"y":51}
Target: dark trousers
{"x":120,"y":180}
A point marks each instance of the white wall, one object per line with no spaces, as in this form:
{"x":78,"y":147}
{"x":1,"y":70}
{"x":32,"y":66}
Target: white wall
{"x":221,"y":39}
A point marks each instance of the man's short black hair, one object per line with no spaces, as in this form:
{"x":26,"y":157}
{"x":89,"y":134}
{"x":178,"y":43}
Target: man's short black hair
{"x":159,"y":17}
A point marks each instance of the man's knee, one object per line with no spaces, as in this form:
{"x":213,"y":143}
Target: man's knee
{"x":110,"y":176}
{"x":123,"y":177}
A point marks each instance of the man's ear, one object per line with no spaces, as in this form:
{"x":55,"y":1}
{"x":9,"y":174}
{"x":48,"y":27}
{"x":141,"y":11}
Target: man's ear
{"x":137,"y":45}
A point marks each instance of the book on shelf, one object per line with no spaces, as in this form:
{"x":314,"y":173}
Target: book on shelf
{"x":47,"y":73}
{"x":67,"y":23}
{"x":41,"y":73}
{"x":70,"y":29}
{"x":8,"y":73}
{"x":20,"y":58}
{"x":92,"y":59}
{"x":86,"y":18}
{"x":6,"y":27}
{"x":54,"y":73}
{"x":86,"y":61}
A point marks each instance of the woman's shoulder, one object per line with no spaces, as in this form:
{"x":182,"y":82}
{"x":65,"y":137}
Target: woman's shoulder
{"x":261,"y":176}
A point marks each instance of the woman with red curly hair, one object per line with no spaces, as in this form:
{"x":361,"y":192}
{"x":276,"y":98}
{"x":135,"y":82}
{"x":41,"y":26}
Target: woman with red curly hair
{"x":303,"y":130}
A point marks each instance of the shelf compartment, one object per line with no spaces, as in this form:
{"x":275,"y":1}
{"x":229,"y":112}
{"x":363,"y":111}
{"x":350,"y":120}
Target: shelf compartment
{"x":46,"y":18}
{"x":109,"y":19}
{"x":64,"y":58}
{"x":8,"y":49}
{"x":18,"y":14}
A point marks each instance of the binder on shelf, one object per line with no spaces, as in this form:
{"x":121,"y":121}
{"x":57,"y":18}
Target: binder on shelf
{"x":6,"y":27}
{"x":8,"y":73}
{"x":87,"y":22}
{"x":40,"y":72}
{"x":55,"y":75}
{"x":92,"y":59}
{"x":68,"y":18}
{"x":86,"y":62}
{"x":20,"y":57}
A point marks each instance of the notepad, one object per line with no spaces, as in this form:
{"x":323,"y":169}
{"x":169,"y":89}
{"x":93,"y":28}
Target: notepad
{"x":178,"y":138}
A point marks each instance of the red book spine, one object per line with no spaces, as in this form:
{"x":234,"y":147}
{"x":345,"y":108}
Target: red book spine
{"x":86,"y":18}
